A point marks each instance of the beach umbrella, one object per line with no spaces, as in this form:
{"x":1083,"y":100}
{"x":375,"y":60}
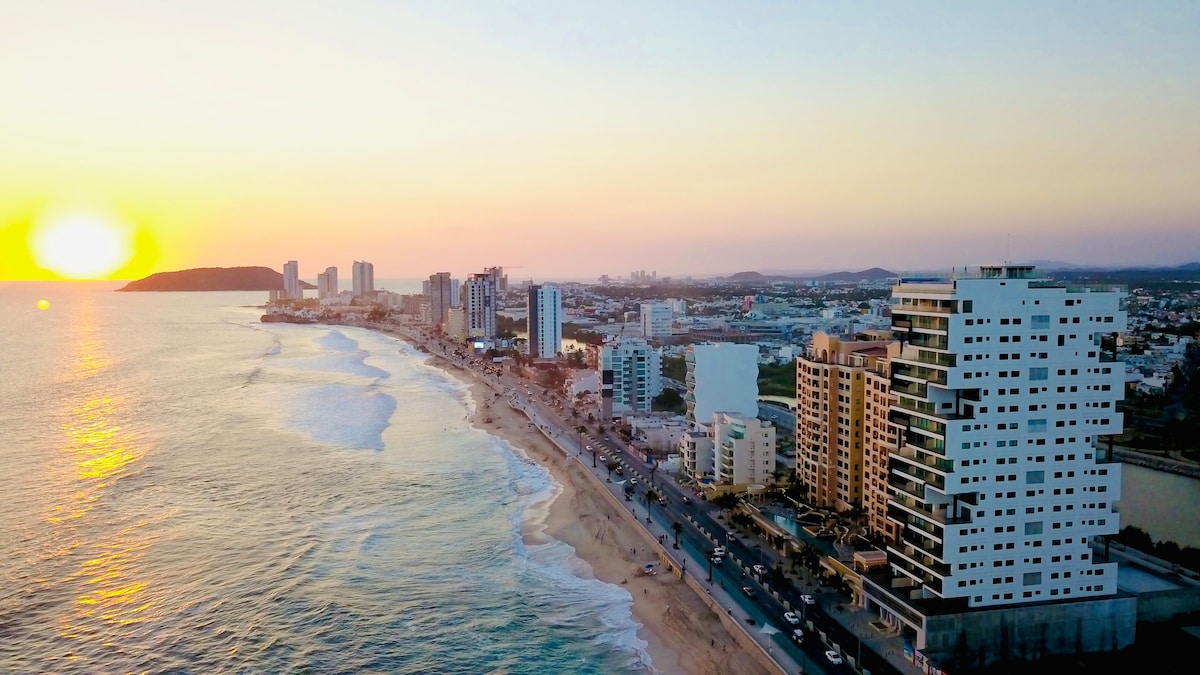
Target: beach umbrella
{"x":768,"y":629}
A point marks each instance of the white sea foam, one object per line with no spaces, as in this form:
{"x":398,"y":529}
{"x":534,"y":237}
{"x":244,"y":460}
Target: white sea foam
{"x":345,"y":415}
{"x":590,"y":599}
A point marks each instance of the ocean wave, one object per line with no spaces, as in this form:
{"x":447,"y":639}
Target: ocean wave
{"x":580,"y":598}
{"x":342,"y":414}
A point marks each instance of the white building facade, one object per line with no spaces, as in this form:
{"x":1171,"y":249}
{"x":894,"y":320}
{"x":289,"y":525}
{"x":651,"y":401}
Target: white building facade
{"x":721,"y":377}
{"x":480,"y":309}
{"x":544,"y":321}
{"x":441,"y":296}
{"x":1000,"y":395}
{"x":630,"y":377}
{"x":656,"y":320}
{"x":363,"y":278}
{"x":327,"y":284}
{"x":743,"y":449}
{"x":291,"y":281}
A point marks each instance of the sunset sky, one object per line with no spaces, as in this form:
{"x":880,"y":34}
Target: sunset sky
{"x":574,"y":139}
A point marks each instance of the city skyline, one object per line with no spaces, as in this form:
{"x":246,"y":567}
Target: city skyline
{"x":699,"y":138}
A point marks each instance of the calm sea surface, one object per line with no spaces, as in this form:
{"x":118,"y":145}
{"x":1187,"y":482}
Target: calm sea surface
{"x":187,"y":490}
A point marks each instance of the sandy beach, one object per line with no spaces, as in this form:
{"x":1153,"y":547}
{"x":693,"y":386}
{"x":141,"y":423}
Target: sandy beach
{"x":683,"y":634}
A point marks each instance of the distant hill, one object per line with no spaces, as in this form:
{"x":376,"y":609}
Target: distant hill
{"x":213,"y":279}
{"x":873,"y":274}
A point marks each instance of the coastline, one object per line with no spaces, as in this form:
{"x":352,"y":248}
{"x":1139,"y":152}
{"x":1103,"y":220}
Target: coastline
{"x":682,"y":633}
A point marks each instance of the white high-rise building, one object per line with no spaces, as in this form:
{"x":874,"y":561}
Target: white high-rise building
{"x":630,"y":377}
{"x":1002,"y":393}
{"x":998,"y":485}
{"x":721,"y":377}
{"x":327,"y":284}
{"x":441,"y":296}
{"x":730,"y":450}
{"x":364,"y":278}
{"x":656,"y":319}
{"x":291,"y":281}
{"x":544,"y":321}
{"x":744,"y":450}
{"x":481,"y":306}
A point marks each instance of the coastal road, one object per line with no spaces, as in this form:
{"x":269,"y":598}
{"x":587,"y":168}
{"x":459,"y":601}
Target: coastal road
{"x":727,"y":579}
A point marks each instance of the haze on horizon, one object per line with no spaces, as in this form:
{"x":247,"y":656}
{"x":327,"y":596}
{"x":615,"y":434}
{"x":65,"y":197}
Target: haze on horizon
{"x":578,"y":139}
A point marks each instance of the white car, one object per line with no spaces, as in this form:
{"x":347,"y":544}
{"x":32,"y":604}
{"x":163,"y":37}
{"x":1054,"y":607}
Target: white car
{"x":720,"y":550}
{"x":833,"y":657}
{"x":716,"y":559}
{"x":798,"y":636}
{"x":759,"y":569}
{"x":791,"y":618}
{"x":808,"y":600}
{"x":633,"y":481}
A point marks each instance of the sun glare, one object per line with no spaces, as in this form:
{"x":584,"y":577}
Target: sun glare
{"x":81,"y":245}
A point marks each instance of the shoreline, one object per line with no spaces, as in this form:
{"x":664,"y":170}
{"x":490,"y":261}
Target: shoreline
{"x":682,"y":633}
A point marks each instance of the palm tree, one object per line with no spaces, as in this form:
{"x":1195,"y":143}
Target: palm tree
{"x":676,"y":528}
{"x":809,"y":557}
{"x":579,"y":430}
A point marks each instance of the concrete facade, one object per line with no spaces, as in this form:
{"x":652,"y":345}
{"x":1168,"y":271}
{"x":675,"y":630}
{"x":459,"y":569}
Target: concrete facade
{"x":363,"y":278}
{"x":544,"y":321}
{"x":630,"y":377}
{"x":721,"y":377}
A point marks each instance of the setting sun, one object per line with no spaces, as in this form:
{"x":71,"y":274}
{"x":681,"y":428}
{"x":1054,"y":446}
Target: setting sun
{"x":81,"y":245}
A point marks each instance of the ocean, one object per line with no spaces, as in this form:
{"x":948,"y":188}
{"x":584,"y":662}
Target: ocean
{"x":186,"y":489}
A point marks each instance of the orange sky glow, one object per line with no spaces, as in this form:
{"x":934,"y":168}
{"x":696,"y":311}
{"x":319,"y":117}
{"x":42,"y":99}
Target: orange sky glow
{"x":578,"y":140}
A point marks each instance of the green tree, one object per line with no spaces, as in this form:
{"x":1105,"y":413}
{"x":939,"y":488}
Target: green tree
{"x":669,"y":401}
{"x":677,"y":528}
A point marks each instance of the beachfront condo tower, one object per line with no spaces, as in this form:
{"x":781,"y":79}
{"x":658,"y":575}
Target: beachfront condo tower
{"x":630,"y":377}
{"x":831,"y":430}
{"x":364,"y":278}
{"x":292,"y":290}
{"x":721,"y":377}
{"x":327,"y":284}
{"x":998,"y":483}
{"x":544,"y":321}
{"x":441,"y":295}
{"x":480,"y":304}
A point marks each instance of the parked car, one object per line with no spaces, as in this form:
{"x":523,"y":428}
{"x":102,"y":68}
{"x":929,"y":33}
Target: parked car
{"x":808,"y":600}
{"x":791,"y":618}
{"x":833,"y":657}
{"x":759,"y":569}
{"x":720,"y":550}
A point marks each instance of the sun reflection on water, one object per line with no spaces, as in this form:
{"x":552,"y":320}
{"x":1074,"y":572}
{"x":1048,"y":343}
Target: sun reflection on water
{"x":105,"y":570}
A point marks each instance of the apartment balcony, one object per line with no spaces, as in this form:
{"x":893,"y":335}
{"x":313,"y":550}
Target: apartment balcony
{"x":911,"y":488}
{"x":903,"y":320}
{"x":923,"y":305}
{"x":909,"y":388}
{"x":929,"y":341}
{"x":907,"y":519}
{"x":926,"y":476}
{"x":917,"y":562}
{"x":910,"y":454}
{"x":912,"y":371}
{"x":914,"y":353}
{"x":917,"y":535}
